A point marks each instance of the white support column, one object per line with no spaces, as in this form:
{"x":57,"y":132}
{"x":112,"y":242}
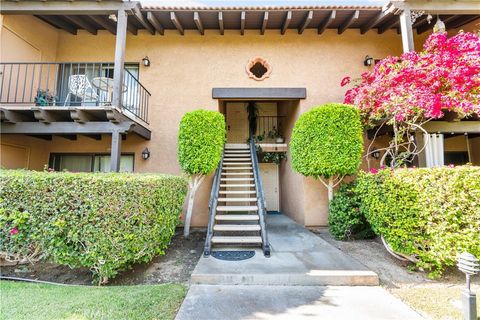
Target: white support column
{"x":118,"y":72}
{"x":115,"y":151}
{"x":407,"y":31}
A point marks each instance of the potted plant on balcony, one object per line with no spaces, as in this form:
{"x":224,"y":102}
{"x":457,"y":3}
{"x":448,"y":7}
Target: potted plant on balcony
{"x":275,"y":135}
{"x":45,"y":98}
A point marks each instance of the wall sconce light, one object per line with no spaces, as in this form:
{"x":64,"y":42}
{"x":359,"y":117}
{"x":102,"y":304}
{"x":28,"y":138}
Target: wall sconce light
{"x":146,"y":61}
{"x":375,"y":154}
{"x":439,"y":26}
{"x":368,"y":61}
{"x":145,"y":154}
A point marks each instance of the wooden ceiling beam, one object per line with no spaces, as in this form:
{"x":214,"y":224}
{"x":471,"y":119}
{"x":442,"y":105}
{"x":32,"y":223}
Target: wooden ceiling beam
{"x":221,"y":27}
{"x":243,"y":17}
{"x":389,"y":25}
{"x":264,"y":23}
{"x":327,"y":21}
{"x":59,"y":23}
{"x":139,"y":15}
{"x":107,"y":25}
{"x":132,"y":28}
{"x":177,"y":23}
{"x":306,"y":22}
{"x":198,"y":23}
{"x":155,"y":23}
{"x":82,"y":23}
{"x":379,"y":18}
{"x":286,"y":22}
{"x":348,"y":22}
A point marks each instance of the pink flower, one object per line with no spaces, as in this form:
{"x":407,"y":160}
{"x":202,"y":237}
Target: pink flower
{"x":345,"y":81}
{"x":451,"y":165}
{"x":13,"y":231}
{"x":373,"y":171}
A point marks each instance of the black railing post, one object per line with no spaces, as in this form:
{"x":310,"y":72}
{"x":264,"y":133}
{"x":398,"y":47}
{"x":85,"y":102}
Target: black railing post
{"x":212,"y":206}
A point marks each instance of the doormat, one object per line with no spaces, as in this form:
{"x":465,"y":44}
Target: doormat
{"x":233,"y":255}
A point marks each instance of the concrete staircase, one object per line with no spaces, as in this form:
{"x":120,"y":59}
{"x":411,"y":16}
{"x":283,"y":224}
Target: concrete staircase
{"x":237,"y":208}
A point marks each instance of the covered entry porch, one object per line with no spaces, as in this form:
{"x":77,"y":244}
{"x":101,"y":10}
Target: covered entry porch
{"x":270,"y":113}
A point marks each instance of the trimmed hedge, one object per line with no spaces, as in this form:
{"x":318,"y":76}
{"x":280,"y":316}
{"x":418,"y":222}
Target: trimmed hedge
{"x":103,"y":221}
{"x":200,"y":141}
{"x":345,"y":220}
{"x":430,"y":213}
{"x":327,"y":141}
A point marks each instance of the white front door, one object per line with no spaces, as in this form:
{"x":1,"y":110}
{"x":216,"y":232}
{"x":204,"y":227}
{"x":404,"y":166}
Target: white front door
{"x":269,"y":176}
{"x":237,"y":122}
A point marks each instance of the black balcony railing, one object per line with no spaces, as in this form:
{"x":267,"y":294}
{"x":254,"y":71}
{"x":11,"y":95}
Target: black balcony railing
{"x":71,"y":84}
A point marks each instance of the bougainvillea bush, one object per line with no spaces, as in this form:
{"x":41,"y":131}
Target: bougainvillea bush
{"x":415,"y":86}
{"x":102,"y":221}
{"x":430,"y":214}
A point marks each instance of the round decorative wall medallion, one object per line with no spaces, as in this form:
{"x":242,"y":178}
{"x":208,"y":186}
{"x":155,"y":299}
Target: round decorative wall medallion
{"x":258,"y":68}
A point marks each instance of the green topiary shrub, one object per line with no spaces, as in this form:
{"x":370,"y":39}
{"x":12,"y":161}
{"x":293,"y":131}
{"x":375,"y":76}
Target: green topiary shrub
{"x":200,"y":145}
{"x":327,"y":143}
{"x":431,"y":214}
{"x":345,"y":220}
{"x":105,"y":222}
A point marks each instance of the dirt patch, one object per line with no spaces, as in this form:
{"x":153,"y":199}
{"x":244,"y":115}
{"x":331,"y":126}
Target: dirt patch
{"x":175,"y":266}
{"x":434,"y":299}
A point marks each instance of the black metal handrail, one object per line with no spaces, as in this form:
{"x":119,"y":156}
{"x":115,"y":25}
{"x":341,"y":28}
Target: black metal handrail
{"x":70,"y":84}
{"x":212,"y":205}
{"x":261,"y":201}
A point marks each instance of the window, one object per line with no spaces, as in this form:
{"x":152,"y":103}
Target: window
{"x":89,"y":162}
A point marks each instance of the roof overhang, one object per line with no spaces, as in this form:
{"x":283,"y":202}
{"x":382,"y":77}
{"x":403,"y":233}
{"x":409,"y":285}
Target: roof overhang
{"x":156,"y":18}
{"x":259,"y":93}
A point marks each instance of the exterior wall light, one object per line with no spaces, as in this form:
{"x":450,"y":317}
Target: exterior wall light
{"x":145,"y":154}
{"x":439,"y":26}
{"x":368,"y":61}
{"x":146,"y":61}
{"x":470,"y":265}
{"x":376,"y":154}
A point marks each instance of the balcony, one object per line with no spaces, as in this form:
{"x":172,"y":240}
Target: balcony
{"x":73,"y":91}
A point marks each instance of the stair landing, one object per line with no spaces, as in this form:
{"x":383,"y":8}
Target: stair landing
{"x":298,"y":257}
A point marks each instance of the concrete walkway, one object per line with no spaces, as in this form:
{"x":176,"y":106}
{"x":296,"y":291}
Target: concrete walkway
{"x":305,"y":278}
{"x":298,"y":257}
{"x":219,"y":302}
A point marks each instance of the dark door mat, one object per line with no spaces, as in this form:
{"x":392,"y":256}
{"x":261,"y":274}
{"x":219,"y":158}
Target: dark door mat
{"x":233,"y":255}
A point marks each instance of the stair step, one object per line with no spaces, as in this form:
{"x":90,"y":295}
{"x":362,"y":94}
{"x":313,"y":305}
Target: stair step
{"x":230,"y":151}
{"x":237,"y":208}
{"x":237,"y":199}
{"x":237,"y":192}
{"x":237,"y":173}
{"x":237,"y":217}
{"x":236,"y":146}
{"x":237,"y":185}
{"x":218,"y":239}
{"x":236,"y":168}
{"x":237,"y":155}
{"x":228,"y":160}
{"x":237,"y":179}
{"x":236,"y":227}
{"x":235,"y":163}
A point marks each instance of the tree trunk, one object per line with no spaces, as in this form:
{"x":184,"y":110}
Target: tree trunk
{"x":330,"y":189}
{"x":194,"y":184}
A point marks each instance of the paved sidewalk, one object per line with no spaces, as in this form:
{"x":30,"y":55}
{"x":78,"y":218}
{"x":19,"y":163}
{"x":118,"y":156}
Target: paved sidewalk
{"x":212,"y":302}
{"x":298,"y":257}
{"x":305,"y":278}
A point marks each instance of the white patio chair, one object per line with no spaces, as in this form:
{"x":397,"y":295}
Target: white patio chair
{"x":79,"y":85}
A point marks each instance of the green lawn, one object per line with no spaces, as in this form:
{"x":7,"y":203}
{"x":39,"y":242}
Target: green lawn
{"x":40,"y":301}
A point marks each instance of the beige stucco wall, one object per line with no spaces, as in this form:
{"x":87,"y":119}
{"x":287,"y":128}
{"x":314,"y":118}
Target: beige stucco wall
{"x":183,"y":71}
